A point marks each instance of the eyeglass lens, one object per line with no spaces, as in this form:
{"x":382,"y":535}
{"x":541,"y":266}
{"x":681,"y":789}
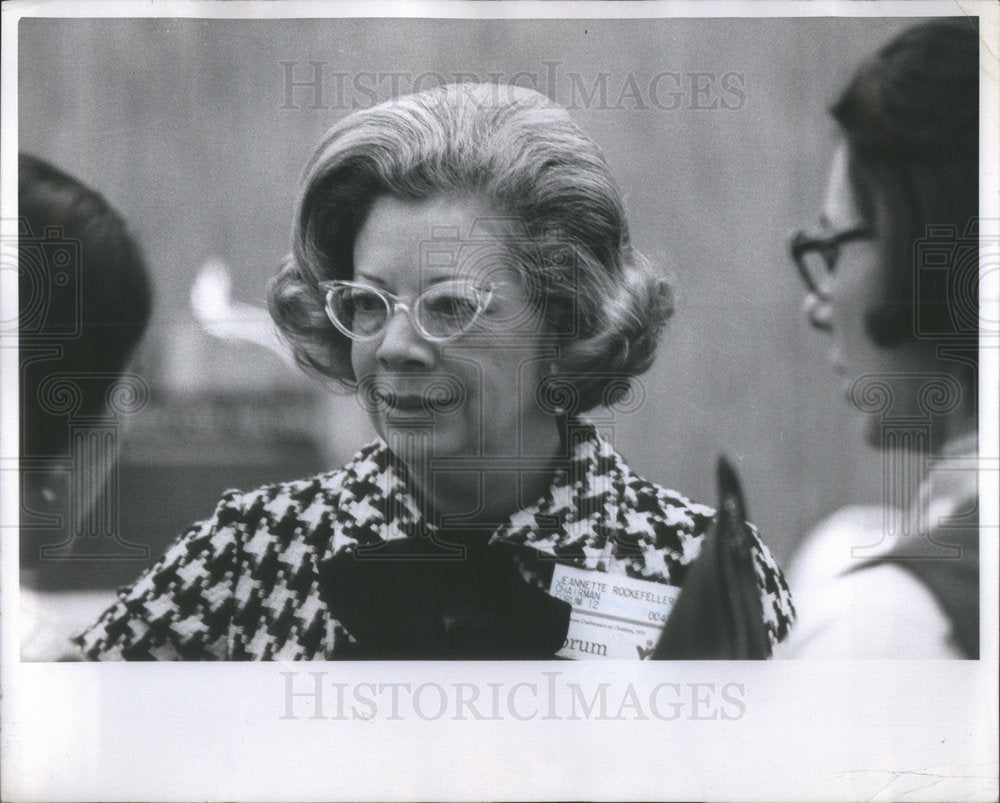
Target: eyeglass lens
{"x":439,"y":312}
{"x":362,"y":312}
{"x":816,"y":256}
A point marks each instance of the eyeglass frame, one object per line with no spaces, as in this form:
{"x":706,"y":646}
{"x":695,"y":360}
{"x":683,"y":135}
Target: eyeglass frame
{"x":393,"y":303}
{"x":828,"y":246}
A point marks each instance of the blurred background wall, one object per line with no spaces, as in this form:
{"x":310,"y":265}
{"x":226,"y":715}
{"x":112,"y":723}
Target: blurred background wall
{"x":196,"y":130}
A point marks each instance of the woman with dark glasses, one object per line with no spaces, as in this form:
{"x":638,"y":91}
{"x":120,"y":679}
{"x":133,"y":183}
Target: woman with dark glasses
{"x":891,"y":280}
{"x":462,"y":262}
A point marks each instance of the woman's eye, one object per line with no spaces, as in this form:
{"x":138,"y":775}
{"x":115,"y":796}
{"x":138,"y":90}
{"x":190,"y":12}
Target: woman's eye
{"x":366,"y":303}
{"x":452,"y":306}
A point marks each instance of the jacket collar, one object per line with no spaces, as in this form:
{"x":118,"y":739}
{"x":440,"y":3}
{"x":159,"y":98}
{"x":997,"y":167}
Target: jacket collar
{"x":574,"y":516}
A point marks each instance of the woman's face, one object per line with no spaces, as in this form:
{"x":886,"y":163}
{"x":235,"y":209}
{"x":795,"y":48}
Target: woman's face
{"x":475,"y":394}
{"x":854,"y":286}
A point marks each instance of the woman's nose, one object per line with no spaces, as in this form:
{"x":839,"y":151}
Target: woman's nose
{"x":819,"y":311}
{"x":402,"y":345}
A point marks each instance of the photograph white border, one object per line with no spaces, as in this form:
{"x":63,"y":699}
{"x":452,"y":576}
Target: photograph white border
{"x":829,"y":730}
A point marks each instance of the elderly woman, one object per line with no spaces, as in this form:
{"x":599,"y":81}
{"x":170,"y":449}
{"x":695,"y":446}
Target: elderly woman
{"x":462,"y":260}
{"x":892,"y":281}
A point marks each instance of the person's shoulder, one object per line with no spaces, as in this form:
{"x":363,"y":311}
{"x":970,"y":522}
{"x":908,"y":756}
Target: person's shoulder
{"x":881,"y":612}
{"x":828,"y":550}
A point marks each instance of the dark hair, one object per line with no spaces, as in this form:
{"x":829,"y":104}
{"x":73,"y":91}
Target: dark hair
{"x":83,"y":295}
{"x":523,"y":155}
{"x":911,"y":119}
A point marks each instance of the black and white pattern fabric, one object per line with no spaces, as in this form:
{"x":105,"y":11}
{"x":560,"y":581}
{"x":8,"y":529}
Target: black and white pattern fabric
{"x":253,"y":581}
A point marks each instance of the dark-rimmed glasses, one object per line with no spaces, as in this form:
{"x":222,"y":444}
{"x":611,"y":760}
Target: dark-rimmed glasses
{"x":441,"y":312}
{"x":816,"y":255}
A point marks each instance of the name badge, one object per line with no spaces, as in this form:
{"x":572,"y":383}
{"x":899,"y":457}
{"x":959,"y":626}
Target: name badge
{"x":613,"y":616}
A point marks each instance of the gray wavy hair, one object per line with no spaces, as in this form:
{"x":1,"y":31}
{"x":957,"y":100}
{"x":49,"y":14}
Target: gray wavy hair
{"x":524,"y":156}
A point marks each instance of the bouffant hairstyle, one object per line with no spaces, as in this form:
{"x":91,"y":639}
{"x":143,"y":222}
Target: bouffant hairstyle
{"x":910,"y":117}
{"x":522,"y":155}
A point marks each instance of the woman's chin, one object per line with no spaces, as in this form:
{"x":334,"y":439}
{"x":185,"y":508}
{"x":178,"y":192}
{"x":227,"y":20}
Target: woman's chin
{"x":425,"y":437}
{"x":408,"y":418}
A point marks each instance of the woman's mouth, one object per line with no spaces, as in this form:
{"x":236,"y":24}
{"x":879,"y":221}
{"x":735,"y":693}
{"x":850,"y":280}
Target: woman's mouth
{"x":435,"y":395}
{"x":406,"y":402}
{"x":416,"y":402}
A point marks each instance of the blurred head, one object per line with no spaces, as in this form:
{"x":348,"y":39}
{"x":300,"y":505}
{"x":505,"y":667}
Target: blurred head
{"x":494,"y":228}
{"x":903,"y":182}
{"x":84,"y":295}
{"x":83,"y":303}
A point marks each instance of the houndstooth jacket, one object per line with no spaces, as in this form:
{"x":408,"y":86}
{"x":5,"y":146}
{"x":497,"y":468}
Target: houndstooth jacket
{"x":247,"y":583}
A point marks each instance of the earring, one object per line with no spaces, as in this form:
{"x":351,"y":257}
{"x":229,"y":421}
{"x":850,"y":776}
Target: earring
{"x":556,"y":391}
